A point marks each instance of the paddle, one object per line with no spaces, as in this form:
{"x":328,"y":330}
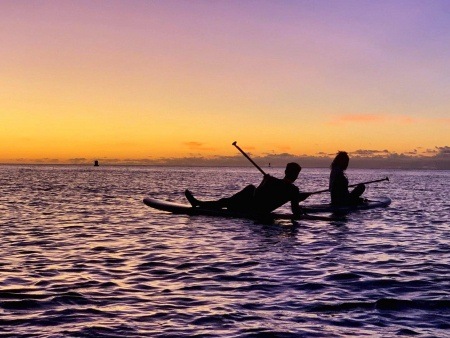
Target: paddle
{"x":248,"y":158}
{"x":352,"y":185}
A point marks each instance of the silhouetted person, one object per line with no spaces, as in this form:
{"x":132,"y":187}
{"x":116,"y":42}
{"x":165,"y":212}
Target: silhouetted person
{"x":338,"y":186}
{"x":271,"y":194}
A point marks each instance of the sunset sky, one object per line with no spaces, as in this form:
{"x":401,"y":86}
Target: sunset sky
{"x":117,"y":80}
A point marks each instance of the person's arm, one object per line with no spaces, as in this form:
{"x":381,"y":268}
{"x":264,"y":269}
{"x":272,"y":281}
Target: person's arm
{"x":303,"y":196}
{"x":296,"y":208}
{"x":295,"y":202}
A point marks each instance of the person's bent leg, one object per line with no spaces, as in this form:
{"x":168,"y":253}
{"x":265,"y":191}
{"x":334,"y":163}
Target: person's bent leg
{"x":355,"y":195}
{"x":358,"y":191}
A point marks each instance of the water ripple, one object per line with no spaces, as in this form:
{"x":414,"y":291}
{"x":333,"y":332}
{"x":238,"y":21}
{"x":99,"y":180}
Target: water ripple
{"x":83,"y":257}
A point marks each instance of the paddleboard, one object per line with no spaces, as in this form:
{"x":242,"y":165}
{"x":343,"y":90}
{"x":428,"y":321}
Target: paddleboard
{"x":381,"y":202}
{"x":187,"y":209}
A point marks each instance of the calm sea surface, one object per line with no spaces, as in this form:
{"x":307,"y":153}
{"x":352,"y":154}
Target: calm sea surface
{"x":82,"y":256}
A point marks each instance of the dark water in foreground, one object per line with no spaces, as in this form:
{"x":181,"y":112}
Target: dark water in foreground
{"x":82,"y":256}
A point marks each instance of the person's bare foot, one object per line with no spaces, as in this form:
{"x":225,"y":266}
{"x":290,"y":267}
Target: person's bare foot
{"x":194,"y":202}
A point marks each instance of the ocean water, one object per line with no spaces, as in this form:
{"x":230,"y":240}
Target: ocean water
{"x":82,"y":256}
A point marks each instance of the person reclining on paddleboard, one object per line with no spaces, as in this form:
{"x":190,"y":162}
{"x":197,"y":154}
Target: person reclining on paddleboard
{"x":338,"y":185}
{"x":268,"y":196}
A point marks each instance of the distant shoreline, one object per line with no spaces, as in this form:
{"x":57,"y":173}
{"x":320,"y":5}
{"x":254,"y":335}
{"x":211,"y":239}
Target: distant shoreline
{"x":109,"y":165}
{"x":438,"y":159}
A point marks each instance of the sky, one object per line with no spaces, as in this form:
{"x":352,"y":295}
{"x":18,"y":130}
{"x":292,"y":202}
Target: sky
{"x":179,"y":81}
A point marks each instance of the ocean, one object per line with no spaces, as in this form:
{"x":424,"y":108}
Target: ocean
{"x":82,"y":256}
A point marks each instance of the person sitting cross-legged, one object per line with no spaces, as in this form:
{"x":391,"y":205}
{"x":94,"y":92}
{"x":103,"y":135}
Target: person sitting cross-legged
{"x":338,"y":185}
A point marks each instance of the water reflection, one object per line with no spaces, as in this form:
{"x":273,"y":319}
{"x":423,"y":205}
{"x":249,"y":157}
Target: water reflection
{"x":82,"y":256}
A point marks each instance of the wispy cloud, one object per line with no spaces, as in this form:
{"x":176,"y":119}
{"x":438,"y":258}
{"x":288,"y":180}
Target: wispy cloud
{"x":369,"y":153}
{"x":78,"y":160}
{"x":381,"y":118}
{"x":48,"y":160}
{"x":284,"y":148}
{"x":356,"y":118}
{"x":374,"y":118}
{"x":193,"y":145}
{"x":361,"y":118}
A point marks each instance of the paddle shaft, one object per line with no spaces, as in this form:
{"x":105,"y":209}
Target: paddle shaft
{"x":352,"y":185}
{"x":248,"y":158}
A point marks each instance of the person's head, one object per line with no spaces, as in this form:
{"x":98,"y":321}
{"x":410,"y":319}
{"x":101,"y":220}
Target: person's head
{"x":292,"y":170}
{"x":340,"y":161}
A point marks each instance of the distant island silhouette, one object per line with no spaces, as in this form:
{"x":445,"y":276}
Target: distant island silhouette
{"x":437,"y":158}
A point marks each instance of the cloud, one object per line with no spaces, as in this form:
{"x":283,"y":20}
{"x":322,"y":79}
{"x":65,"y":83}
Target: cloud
{"x":361,"y":118}
{"x":431,"y":151}
{"x":374,"y":118}
{"x":323,"y":154}
{"x":193,"y":144}
{"x":78,"y":160}
{"x":197,"y":146}
{"x":47,"y":160}
{"x":357,"y":118}
{"x":369,"y":153}
{"x":284,"y":147}
{"x":443,"y":152}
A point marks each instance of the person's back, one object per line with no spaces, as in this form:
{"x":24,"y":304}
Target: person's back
{"x":272,"y":193}
{"x":339,"y":187}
